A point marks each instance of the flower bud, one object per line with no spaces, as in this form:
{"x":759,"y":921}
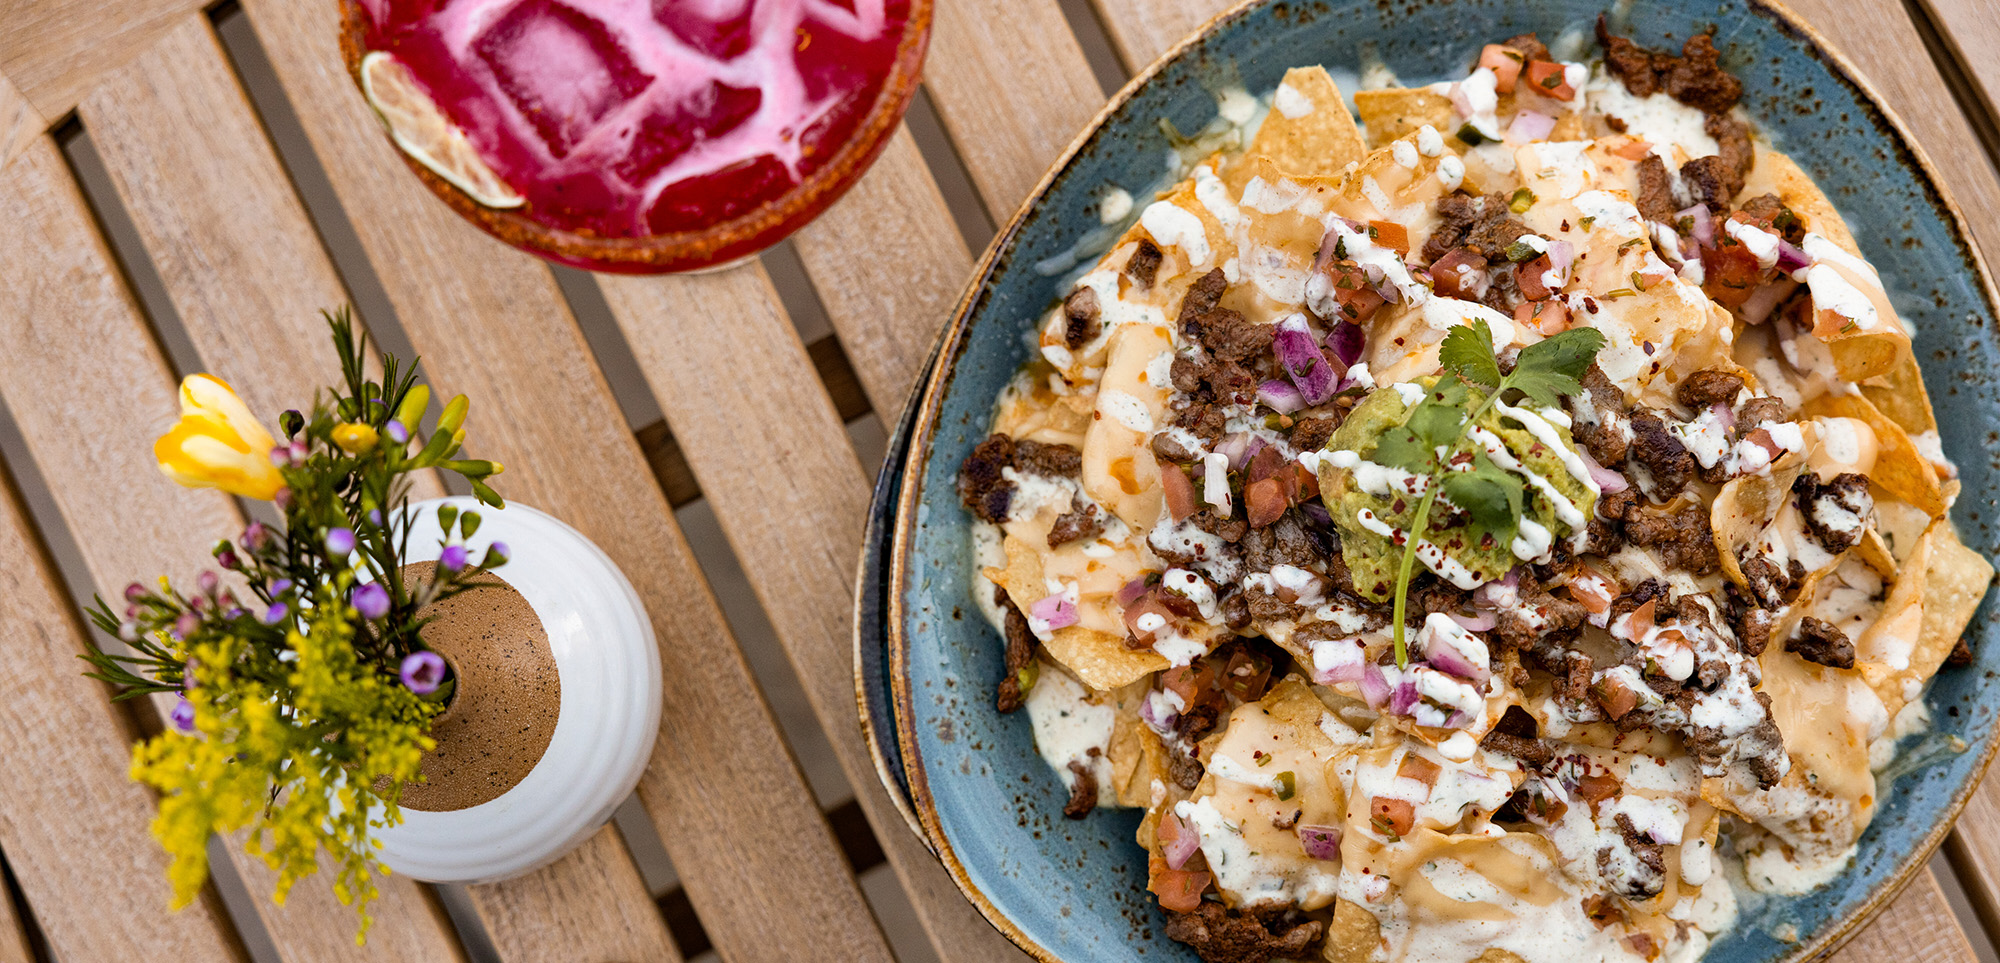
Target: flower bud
{"x":186,"y":624}
{"x":182,"y":715}
{"x":291,"y":422}
{"x":226,"y":557}
{"x":396,"y":432}
{"x":411,"y":411}
{"x":276,"y":613}
{"x":208,"y":582}
{"x":128,"y":631}
{"x":371,"y":600}
{"x":134,"y":592}
{"x":452,"y":559}
{"x":496,"y":555}
{"x":283,"y":499}
{"x":355,"y":438}
{"x":423,"y":672}
{"x":256,"y":537}
{"x":280,"y":587}
{"x":340,"y":541}
{"x":454,"y":415}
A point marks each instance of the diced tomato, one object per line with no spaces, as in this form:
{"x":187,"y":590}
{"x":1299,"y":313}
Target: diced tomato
{"x":1417,"y":767}
{"x":1633,"y":149}
{"x":1731,"y":272}
{"x":1390,"y":234}
{"x":1643,"y":616}
{"x":1264,"y":500}
{"x":1460,"y":274}
{"x":1264,"y":464}
{"x":1358,"y":301}
{"x":1169,"y":830}
{"x":1192,"y":683}
{"x":1528,"y":277}
{"x":1642,"y":944}
{"x":1308,"y":483}
{"x":1178,"y":889}
{"x":1549,"y":79}
{"x":1136,"y":616}
{"x":1391,"y":816}
{"x":1597,"y":787}
{"x":1505,"y":62}
{"x":1547,"y":317}
{"x":1542,"y":808}
{"x":1616,"y":698}
{"x":1247,"y":675}
{"x":1179,"y":491}
{"x":1591,"y":591}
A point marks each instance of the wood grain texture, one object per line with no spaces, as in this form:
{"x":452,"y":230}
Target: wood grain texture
{"x":792,"y":500}
{"x":1918,"y":925}
{"x":76,"y":835}
{"x":14,"y":943}
{"x":20,"y":123}
{"x":1880,"y":40}
{"x":247,"y":277}
{"x":1971,"y":29}
{"x":1142,"y":30}
{"x":1013,"y":89}
{"x":732,"y":809}
{"x":888,"y":264}
{"x":57,"y":50}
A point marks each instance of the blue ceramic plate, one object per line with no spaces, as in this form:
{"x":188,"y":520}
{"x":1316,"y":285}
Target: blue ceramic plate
{"x":1073,"y":891}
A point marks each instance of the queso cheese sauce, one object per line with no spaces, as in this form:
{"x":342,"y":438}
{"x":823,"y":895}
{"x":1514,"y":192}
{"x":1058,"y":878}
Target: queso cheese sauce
{"x":1729,"y":579}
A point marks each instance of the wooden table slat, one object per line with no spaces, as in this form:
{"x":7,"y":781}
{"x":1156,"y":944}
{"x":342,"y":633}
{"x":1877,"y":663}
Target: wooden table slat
{"x":732,"y":809}
{"x":77,"y":835}
{"x":1011,"y":84}
{"x":1971,"y":29}
{"x":792,"y":498}
{"x":1142,"y":30}
{"x":57,"y":50}
{"x":1917,"y":925}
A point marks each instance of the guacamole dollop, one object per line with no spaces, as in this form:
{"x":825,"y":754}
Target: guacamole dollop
{"x":1370,"y":502}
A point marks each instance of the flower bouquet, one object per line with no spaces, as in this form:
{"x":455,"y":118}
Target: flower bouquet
{"x":303,"y":691}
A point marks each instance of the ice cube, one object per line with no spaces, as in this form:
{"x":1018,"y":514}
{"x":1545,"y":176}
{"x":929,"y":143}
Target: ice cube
{"x":709,"y":112}
{"x":717,"y":28}
{"x":563,"y":70}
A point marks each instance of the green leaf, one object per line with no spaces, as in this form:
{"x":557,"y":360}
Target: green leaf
{"x":1547,"y":370}
{"x":1440,"y":417}
{"x":1491,"y":496}
{"x":1468,"y":352}
{"x":1399,"y":447}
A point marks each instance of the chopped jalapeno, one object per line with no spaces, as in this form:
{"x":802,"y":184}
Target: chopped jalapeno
{"x":1586,"y":222}
{"x":1521,"y":201}
{"x":1288,"y":785}
{"x":1620,"y":293}
{"x":1471,"y":135}
{"x":1027,"y":675}
{"x":1521,"y":251}
{"x":1638,"y":280}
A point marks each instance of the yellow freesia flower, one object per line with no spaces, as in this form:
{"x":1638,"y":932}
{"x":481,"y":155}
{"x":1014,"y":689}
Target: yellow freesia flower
{"x":354,"y":437}
{"x":218,"y":443}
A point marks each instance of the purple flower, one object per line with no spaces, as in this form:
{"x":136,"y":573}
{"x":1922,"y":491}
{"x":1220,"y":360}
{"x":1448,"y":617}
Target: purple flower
{"x":396,"y":432}
{"x":280,"y":587}
{"x":340,"y":541}
{"x":186,"y":624}
{"x":276,"y":613}
{"x":283,"y":499}
{"x":423,"y":672}
{"x":371,"y":600}
{"x":496,"y":555}
{"x":375,"y":517}
{"x":452,"y":558}
{"x":183,"y":715}
{"x":208,"y":582}
{"x":256,"y":537}
{"x":134,"y":592}
{"x":227,"y":559}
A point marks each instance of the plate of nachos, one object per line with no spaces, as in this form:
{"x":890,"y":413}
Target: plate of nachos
{"x":1493,"y":485}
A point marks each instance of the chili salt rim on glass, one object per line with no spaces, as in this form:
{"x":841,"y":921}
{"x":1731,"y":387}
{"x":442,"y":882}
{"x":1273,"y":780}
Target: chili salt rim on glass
{"x":715,"y":245}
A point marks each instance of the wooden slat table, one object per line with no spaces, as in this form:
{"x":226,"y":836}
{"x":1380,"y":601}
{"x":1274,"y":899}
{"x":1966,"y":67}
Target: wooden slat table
{"x":236,"y":240}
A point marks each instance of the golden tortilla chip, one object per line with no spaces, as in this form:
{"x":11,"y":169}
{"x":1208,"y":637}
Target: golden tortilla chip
{"x":1308,"y":130}
{"x":1954,"y":582}
{"x":1099,"y":660}
{"x":1352,"y":936}
{"x":1900,"y":394}
{"x":1138,"y":759}
{"x":1747,"y":505}
{"x":1394,"y":112}
{"x":1900,"y":469}
{"x":1771,"y":172}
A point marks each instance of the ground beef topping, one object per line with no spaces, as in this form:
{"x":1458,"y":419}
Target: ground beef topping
{"x":1820,"y":642}
{"x":1694,"y":78}
{"x":1080,"y":318}
{"x":1223,"y":935}
{"x":1836,"y":511}
{"x":1486,"y":226}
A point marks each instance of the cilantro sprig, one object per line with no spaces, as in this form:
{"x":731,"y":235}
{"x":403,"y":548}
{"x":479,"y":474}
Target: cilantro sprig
{"x":1429,"y":442}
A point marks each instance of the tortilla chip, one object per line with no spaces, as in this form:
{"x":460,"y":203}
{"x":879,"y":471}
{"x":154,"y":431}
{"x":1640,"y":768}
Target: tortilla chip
{"x":1771,"y":172}
{"x":1746,"y":506}
{"x":1352,"y":935}
{"x":1900,"y":394}
{"x":1903,"y":622}
{"x":1900,"y":469}
{"x":1317,"y":135}
{"x":1138,"y":758}
{"x":1954,"y":583}
{"x":1394,"y":112}
{"x":1099,"y":660}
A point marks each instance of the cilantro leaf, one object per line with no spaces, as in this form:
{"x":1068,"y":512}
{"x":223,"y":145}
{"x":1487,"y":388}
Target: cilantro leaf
{"x":1547,"y":370}
{"x":1399,"y":447}
{"x":1492,"y":496}
{"x":1439,"y":419}
{"x":1468,"y":352}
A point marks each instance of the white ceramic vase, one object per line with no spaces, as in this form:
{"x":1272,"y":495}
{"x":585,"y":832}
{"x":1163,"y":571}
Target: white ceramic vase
{"x":609,"y":670}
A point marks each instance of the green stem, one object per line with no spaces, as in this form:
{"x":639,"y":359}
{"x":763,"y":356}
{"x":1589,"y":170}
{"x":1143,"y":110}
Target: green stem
{"x":1413,"y":535}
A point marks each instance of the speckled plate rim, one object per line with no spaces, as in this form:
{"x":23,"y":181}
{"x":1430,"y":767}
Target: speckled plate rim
{"x":952,"y":342}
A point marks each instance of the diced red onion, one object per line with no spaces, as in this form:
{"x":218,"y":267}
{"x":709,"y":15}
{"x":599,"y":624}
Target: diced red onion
{"x":1184,"y":845}
{"x":1130,"y":591}
{"x":1154,"y":713}
{"x":1447,"y":653}
{"x":1317,"y":512}
{"x":1404,"y":698}
{"x":1561,"y":255}
{"x":1349,"y":662}
{"x":1704,"y":224}
{"x":1460,"y":101}
{"x":1483,"y":622}
{"x":1282,"y":396}
{"x":1530,"y":125}
{"x":1790,"y":258}
{"x":1458,"y":720}
{"x":1055,"y":610}
{"x":1236,"y":446}
{"x":1320,"y":842}
{"x":1608,"y":481}
{"x":1766,"y":299}
{"x":1300,"y":356}
{"x":1724,"y":415}
{"x":1348,"y":341}
{"x":1374,"y":688}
